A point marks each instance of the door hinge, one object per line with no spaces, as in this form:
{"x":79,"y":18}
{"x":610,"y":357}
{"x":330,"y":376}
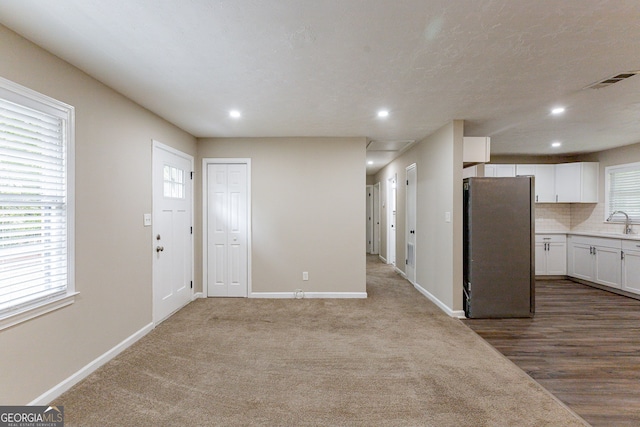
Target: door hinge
{"x":406,"y":262}
{"x":191,"y":174}
{"x":192,"y":284}
{"x":407,"y":182}
{"x":191,"y":230}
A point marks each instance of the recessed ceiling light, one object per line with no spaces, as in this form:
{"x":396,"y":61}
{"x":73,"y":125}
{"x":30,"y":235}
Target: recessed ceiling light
{"x":556,"y":144}
{"x":557,"y":110}
{"x":370,"y":162}
{"x":235,"y":114}
{"x":383,"y":113}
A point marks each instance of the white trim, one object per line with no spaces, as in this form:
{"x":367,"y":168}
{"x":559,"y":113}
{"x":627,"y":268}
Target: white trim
{"x":31,"y":312}
{"x":607,"y":179}
{"x":30,"y":98}
{"x":308,"y":295}
{"x":440,"y":304}
{"x":161,"y":146}
{"x":375,"y":236}
{"x":224,"y":160}
{"x":198,"y":295}
{"x":383,"y":259}
{"x":369,"y":190}
{"x":392,"y":190}
{"x":50,"y":395}
{"x":406,"y":221}
{"x":400,"y":272}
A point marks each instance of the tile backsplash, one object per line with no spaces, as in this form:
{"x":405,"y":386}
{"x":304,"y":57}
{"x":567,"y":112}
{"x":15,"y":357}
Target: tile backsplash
{"x":553,"y":217}
{"x":581,"y":217}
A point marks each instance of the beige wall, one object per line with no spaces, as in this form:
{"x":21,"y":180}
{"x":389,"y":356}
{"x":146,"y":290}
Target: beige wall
{"x":438,"y":160}
{"x":590,"y":217}
{"x":308,"y":210}
{"x":578,"y":216}
{"x":113,"y":256}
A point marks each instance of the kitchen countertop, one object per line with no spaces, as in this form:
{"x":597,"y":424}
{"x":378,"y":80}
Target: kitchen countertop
{"x":594,"y":234}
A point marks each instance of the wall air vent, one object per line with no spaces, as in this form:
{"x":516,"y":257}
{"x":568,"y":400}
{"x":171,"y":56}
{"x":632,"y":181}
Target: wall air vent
{"x":611,"y":80}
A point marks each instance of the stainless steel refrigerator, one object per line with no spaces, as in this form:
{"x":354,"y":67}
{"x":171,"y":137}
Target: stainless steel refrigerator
{"x":499,"y":222}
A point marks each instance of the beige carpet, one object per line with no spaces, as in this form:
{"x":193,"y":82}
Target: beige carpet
{"x":393,"y":359}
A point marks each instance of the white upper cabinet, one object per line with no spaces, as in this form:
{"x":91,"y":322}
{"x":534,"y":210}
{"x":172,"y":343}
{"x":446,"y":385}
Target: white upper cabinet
{"x":576,"y":182}
{"x":476,"y":149}
{"x":498,"y":171}
{"x":545,"y":181}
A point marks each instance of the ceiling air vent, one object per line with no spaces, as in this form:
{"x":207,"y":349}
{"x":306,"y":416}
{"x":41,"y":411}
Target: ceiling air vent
{"x":611,"y":80}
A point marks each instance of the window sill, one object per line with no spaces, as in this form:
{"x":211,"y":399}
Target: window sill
{"x":12,"y":319}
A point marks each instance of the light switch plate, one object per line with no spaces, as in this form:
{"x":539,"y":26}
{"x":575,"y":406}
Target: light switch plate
{"x":146,"y":219}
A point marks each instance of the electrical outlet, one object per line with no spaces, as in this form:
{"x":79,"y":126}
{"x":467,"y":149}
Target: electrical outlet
{"x":305,"y":275}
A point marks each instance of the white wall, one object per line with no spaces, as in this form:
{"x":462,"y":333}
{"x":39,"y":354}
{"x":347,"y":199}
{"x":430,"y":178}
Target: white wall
{"x":113,"y":249}
{"x":308,"y":210}
{"x":439,"y":190}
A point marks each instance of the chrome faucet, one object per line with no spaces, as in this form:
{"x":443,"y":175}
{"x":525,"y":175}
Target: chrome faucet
{"x":627,"y":226}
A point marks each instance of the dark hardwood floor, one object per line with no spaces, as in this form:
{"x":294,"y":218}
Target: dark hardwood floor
{"x":583,"y":345}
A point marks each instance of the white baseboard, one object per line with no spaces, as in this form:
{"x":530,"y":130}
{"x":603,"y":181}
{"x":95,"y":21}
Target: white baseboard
{"x":440,"y":304}
{"x":197,"y":295}
{"x":400,"y":272}
{"x":383,"y":259}
{"x":56,"y":391}
{"x":292,"y":295}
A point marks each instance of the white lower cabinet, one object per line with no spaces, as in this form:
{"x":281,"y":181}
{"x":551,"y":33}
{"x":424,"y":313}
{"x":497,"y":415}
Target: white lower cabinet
{"x":631,"y":266}
{"x":551,"y":255}
{"x":608,"y":266}
{"x":595,"y":259}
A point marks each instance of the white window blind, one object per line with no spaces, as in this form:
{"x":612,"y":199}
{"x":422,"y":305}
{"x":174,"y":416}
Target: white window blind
{"x":623,"y":191}
{"x":34,"y":203}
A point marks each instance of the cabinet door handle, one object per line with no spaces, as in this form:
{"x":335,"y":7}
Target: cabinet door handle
{"x":621,"y":254}
{"x":591,"y":250}
{"x":594,"y":250}
{"x":536,"y":197}
{"x":556,"y":198}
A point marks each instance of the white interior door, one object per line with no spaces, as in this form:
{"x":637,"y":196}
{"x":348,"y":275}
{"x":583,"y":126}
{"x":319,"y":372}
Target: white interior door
{"x":172,"y":230}
{"x":410,"y":262}
{"x":391,"y":215}
{"x":376,"y":219}
{"x":227,"y":230}
{"x":369,"y":212}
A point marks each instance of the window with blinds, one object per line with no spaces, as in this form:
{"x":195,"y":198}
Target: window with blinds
{"x":36,"y":215}
{"x":623,"y":191}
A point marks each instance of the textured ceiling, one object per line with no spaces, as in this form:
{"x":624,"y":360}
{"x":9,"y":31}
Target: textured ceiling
{"x":324,"y":68}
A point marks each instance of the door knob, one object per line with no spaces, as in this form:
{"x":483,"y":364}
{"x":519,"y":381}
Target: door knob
{"x":159,"y":248}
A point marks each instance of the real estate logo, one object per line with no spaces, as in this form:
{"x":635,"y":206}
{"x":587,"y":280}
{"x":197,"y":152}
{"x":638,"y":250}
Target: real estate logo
{"x":31,"y":416}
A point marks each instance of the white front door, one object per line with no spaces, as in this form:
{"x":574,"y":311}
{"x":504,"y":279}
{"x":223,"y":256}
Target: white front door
{"x":172,"y":242}
{"x":410,"y":262}
{"x":227,"y":230}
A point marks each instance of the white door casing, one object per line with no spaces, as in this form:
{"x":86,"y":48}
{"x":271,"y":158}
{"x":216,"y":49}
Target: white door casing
{"x":376,"y":219}
{"x":391,"y":220}
{"x":172,"y":238}
{"x":369,"y":213}
{"x":226,"y":245}
{"x":410,"y":229}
